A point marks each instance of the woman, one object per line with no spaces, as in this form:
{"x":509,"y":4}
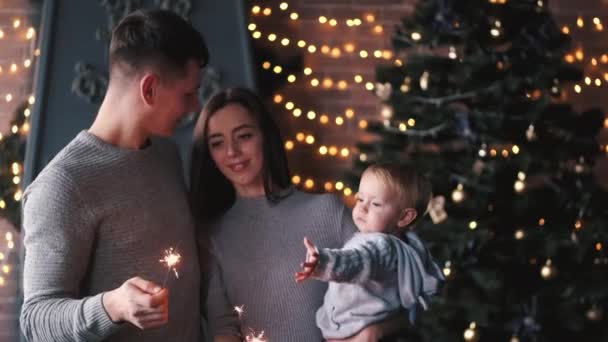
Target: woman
{"x":255,"y":222}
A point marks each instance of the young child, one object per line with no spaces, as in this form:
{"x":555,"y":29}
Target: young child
{"x":383,"y":268}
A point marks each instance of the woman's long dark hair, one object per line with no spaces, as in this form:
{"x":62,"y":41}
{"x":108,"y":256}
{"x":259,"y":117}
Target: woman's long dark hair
{"x":211,"y":194}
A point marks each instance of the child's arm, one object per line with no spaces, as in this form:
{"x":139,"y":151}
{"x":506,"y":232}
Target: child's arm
{"x":362,"y":261}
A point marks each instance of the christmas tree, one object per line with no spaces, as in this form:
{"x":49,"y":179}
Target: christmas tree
{"x":478,"y":100}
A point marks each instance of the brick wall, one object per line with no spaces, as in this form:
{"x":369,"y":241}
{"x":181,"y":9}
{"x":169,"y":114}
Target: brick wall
{"x":305,"y":159}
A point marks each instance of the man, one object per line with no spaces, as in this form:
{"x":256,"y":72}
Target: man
{"x":98,"y":217}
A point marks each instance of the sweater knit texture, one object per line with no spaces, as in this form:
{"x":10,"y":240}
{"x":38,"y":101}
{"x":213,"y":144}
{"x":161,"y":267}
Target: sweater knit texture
{"x":256,"y":249}
{"x":96,"y":216}
{"x":374,"y":276}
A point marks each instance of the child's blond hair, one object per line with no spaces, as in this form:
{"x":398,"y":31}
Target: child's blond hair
{"x":412,"y":188}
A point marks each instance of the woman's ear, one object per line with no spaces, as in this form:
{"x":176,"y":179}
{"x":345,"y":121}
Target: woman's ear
{"x":408,"y":215}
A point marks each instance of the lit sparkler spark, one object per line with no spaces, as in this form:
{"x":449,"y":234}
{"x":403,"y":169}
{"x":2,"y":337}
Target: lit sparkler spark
{"x":240,"y":310}
{"x":171,"y":258}
{"x":252,"y":337}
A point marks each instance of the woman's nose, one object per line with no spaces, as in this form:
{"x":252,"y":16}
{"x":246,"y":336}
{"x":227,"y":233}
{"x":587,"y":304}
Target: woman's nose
{"x":233,"y":149}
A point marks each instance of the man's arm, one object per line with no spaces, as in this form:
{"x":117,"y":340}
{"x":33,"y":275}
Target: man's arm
{"x":58,"y":241}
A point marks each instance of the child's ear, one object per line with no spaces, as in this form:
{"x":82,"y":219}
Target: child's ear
{"x":408,"y":215}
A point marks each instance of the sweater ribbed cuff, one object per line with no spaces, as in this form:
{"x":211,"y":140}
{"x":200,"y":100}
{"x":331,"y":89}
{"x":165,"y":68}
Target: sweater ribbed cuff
{"x":324,"y":269}
{"x":96,"y":318}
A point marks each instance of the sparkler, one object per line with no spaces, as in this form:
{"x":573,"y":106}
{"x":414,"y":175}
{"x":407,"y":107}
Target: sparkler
{"x":170,"y":258}
{"x":240,"y":310}
{"x":253,"y":337}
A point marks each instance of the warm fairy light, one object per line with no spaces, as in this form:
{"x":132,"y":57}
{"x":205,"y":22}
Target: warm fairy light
{"x":6,"y":269}
{"x":289,"y":145}
{"x":1,"y":34}
{"x":300,"y":137}
{"x":309,"y":183}
{"x":363,"y":54}
{"x":363,"y":124}
{"x":505,"y":153}
{"x":519,"y":186}
{"x":323,"y":19}
{"x":447,"y":271}
{"x":416,"y":36}
{"x":284,"y":41}
{"x":17,"y":196}
{"x":471,"y":333}
{"x":377,"y":53}
{"x":30,"y":33}
{"x":411,"y":122}
{"x":37,"y":52}
{"x":578,"y":224}
{"x":333,"y":150}
{"x":255,"y":9}
{"x":358,"y":78}
{"x":387,"y":54}
{"x":598,"y":246}
{"x":16,"y":23}
{"x":515,"y":149}
{"x":548,"y":271}
{"x":314,"y":82}
{"x":579,"y":54}
{"x":569,"y":58}
{"x":283,"y":6}
{"x":328,"y":186}
{"x":301,"y":43}
{"x":541,"y":222}
{"x":342,"y":85}
{"x":291,"y":78}
{"x":349,"y":47}
{"x":344,"y":152}
{"x":9,"y":98}
{"x":325,"y":49}
{"x":348,"y":191}
{"x":339,"y":120}
{"x":2,"y":204}
{"x":339,"y":186}
{"x":402,"y":127}
{"x":378,"y":29}
{"x":266,"y":65}
{"x":256,"y":35}
{"x":16,"y":168}
{"x":324,"y":119}
{"x":520,"y":234}
{"x":327,"y":82}
{"x":323,"y":150}
{"x":458,"y":194}
{"x":14,"y":68}
{"x":369,"y":86}
{"x":16,"y":180}
{"x":370,"y":18}
{"x":289,"y":105}
{"x":267,"y":11}
{"x":294,"y":16}
{"x":296,"y":179}
{"x":272,"y":37}
{"x":473,"y":225}
{"x":565,"y":30}
{"x":310,"y":139}
{"x":171,"y":259}
{"x":605,"y":123}
{"x":251,"y":27}
{"x":307,"y":71}
{"x":297,"y":112}
{"x":278,"y":98}
{"x":311,"y":115}
{"x":598,"y":82}
{"x":577,"y":88}
{"x":349,"y":113}
{"x":312,"y":48}
{"x":277,"y":69}
{"x":580,"y":22}
{"x":333,"y":22}
{"x":27,"y":63}
{"x":588,"y":80}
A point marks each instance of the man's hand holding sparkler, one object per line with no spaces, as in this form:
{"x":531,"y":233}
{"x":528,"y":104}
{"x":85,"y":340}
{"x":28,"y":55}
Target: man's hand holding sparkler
{"x":139,"y":302}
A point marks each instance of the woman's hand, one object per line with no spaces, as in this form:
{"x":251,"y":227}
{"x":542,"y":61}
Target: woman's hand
{"x":312,"y":260}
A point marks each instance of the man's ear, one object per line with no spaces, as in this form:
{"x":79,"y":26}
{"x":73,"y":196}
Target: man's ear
{"x":148,"y":88}
{"x":408,"y":215}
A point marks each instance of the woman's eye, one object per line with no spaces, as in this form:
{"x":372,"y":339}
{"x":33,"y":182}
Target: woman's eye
{"x":214,"y":144}
{"x":245,"y":136}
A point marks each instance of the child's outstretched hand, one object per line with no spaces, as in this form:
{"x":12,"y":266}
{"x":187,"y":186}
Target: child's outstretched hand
{"x":312,"y":259}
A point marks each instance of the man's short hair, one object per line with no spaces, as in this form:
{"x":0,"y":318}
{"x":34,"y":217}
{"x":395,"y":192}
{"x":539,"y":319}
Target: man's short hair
{"x":412,"y":187}
{"x":157,"y":38}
